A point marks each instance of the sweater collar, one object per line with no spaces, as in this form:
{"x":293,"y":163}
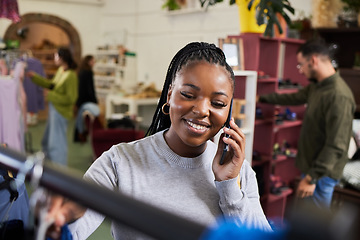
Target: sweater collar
{"x":183,"y":162}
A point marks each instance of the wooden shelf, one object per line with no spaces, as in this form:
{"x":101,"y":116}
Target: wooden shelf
{"x":275,"y":57}
{"x":268,"y":80}
{"x":279,"y":158}
{"x":185,"y":11}
{"x":287,"y":124}
{"x":107,"y":52}
{"x":260,"y":162}
{"x":284,"y":194}
{"x":264,"y":121}
{"x":283,"y":157}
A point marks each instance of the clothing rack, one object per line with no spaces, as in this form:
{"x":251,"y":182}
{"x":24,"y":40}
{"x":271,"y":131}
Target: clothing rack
{"x":11,"y":55}
{"x":150,"y":220}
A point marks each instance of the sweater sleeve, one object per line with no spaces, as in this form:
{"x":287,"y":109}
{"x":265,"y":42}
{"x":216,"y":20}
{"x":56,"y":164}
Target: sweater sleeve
{"x":297,"y":98}
{"x":102,"y":173}
{"x":242,"y":204}
{"x":69,"y":95}
{"x":41,"y":81}
{"x":86,"y":225}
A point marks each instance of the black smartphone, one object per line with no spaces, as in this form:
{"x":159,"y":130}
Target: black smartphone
{"x":227,"y":124}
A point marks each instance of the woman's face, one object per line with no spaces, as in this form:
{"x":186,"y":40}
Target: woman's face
{"x":199,"y":106}
{"x":57,"y":59}
{"x":92,"y":62}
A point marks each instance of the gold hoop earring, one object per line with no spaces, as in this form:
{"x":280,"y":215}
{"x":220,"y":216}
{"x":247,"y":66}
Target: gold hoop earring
{"x":163,"y":108}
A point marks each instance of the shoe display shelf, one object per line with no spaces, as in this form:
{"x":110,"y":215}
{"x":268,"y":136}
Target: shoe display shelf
{"x":275,"y":61}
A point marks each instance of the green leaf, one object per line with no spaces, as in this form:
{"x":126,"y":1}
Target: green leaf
{"x":290,"y":9}
{"x":251,"y":2}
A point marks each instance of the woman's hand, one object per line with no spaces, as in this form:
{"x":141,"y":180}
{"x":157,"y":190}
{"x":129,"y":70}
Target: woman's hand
{"x":62,"y":211}
{"x":30,"y":74}
{"x":234,"y":158}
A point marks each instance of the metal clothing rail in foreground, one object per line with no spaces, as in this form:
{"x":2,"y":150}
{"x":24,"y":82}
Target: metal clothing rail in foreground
{"x":152,"y":221}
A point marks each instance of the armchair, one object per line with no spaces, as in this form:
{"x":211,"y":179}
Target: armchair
{"x":103,"y":138}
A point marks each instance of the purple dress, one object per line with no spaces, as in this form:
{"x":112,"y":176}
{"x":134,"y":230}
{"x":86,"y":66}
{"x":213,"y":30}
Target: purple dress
{"x":34,"y":93}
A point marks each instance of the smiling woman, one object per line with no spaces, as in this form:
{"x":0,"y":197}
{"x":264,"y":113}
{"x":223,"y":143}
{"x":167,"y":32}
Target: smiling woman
{"x":177,"y":166}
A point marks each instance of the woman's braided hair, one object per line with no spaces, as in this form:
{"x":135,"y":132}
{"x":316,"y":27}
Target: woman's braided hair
{"x":192,"y":52}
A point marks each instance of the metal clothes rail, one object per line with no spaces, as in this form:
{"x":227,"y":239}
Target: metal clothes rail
{"x":152,"y":221}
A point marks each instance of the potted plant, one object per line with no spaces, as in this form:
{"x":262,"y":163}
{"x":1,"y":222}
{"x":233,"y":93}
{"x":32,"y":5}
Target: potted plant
{"x":268,"y":12}
{"x":352,"y":5}
{"x":171,"y":5}
{"x":351,"y":13}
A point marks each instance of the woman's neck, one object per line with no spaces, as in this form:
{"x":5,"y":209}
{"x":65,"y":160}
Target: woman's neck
{"x":65,"y":67}
{"x":182,"y":149}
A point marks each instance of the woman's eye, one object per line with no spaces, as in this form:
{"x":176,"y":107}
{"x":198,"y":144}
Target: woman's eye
{"x":187,"y":95}
{"x":219,"y":104}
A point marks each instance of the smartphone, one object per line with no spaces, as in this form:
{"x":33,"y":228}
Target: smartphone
{"x":227,"y":124}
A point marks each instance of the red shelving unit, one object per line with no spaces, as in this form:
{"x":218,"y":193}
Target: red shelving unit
{"x":276,"y":59}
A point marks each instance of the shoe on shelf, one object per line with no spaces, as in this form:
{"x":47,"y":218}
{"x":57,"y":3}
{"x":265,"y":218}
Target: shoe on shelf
{"x":258,"y":113}
{"x":289,"y":115}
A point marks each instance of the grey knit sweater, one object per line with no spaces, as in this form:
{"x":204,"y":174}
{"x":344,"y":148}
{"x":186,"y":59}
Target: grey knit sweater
{"x":148,"y":170}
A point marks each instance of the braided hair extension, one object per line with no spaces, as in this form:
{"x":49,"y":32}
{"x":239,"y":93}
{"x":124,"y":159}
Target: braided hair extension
{"x":191,"y":53}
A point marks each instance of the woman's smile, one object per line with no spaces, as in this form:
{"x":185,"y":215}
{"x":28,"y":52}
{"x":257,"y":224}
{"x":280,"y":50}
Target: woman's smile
{"x":197,"y":126}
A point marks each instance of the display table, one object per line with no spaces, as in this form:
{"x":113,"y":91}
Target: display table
{"x":139,"y":107}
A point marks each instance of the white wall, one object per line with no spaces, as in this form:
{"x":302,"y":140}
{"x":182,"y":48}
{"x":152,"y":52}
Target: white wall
{"x":143,"y":27}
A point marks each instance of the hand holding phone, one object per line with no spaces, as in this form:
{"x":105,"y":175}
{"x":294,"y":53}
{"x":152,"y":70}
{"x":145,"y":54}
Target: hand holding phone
{"x":227,"y":124}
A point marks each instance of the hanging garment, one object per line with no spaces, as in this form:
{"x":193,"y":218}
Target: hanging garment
{"x":11,"y":129}
{"x":34,"y":93}
{"x":13,"y":109}
{"x":9,"y":9}
{"x":14,"y":208}
{"x":19,"y":74}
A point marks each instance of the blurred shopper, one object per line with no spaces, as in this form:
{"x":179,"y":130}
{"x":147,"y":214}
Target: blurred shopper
{"x":327,"y":124}
{"x":62,"y":95}
{"x":87,"y":100}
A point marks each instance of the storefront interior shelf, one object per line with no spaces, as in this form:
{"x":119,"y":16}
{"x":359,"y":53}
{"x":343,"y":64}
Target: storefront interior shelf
{"x":276,"y":58}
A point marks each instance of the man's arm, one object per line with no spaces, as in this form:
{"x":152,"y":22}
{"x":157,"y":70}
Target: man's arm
{"x":297,"y":98}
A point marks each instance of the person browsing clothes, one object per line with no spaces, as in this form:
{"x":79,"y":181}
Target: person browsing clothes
{"x":62,"y":95}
